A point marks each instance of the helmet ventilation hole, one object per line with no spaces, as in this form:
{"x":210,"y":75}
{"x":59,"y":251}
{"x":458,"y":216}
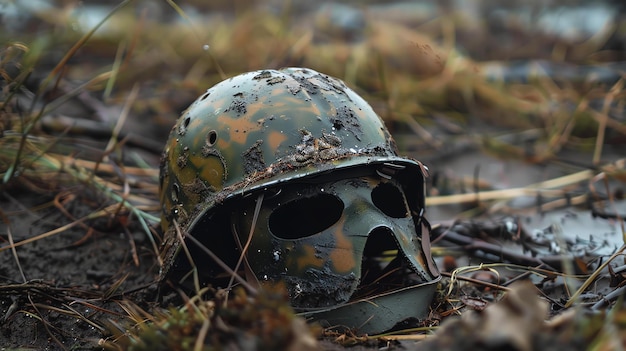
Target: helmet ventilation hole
{"x":175,"y":192}
{"x":305,"y":216}
{"x":205,"y":95}
{"x":182,"y":129}
{"x":211,"y":138}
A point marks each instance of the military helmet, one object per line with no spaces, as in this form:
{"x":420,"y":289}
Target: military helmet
{"x":288,"y":176}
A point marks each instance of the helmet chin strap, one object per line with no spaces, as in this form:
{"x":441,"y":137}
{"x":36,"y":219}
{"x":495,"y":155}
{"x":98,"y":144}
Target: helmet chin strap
{"x":425,"y":229}
{"x":249,"y":273}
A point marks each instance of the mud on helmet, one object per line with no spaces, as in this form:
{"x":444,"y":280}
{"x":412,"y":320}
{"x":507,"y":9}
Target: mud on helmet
{"x":297,"y":170}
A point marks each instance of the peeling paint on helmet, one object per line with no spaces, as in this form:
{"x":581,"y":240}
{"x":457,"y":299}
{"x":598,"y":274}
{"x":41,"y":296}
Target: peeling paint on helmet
{"x":273,"y":106}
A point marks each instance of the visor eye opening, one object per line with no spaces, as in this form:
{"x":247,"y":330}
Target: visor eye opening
{"x":390,"y":200}
{"x":305,"y":216}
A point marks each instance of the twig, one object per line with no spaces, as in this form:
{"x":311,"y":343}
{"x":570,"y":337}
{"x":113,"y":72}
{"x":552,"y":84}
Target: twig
{"x":534,"y":189}
{"x":593,"y":277}
{"x":502,"y":252}
{"x":6,"y":221}
{"x":476,"y":281}
{"x":606,"y":300}
{"x":244,"y":250}
{"x":45,"y":323}
{"x":223,"y":265}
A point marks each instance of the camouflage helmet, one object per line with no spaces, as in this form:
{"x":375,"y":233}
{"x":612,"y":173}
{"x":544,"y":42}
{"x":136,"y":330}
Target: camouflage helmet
{"x":295,"y":170}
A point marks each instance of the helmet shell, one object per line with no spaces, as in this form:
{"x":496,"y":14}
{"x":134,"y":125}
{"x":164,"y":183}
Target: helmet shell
{"x":255,"y":127}
{"x":263,"y":128}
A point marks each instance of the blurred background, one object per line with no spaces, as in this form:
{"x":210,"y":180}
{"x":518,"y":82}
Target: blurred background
{"x":478,"y":89}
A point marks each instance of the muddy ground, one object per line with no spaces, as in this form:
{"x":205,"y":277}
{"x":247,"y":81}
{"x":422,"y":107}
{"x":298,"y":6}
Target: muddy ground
{"x":72,"y":271}
{"x":518,"y":103}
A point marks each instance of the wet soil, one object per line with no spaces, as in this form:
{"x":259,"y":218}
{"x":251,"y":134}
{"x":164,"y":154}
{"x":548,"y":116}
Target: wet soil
{"x":60,"y":292}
